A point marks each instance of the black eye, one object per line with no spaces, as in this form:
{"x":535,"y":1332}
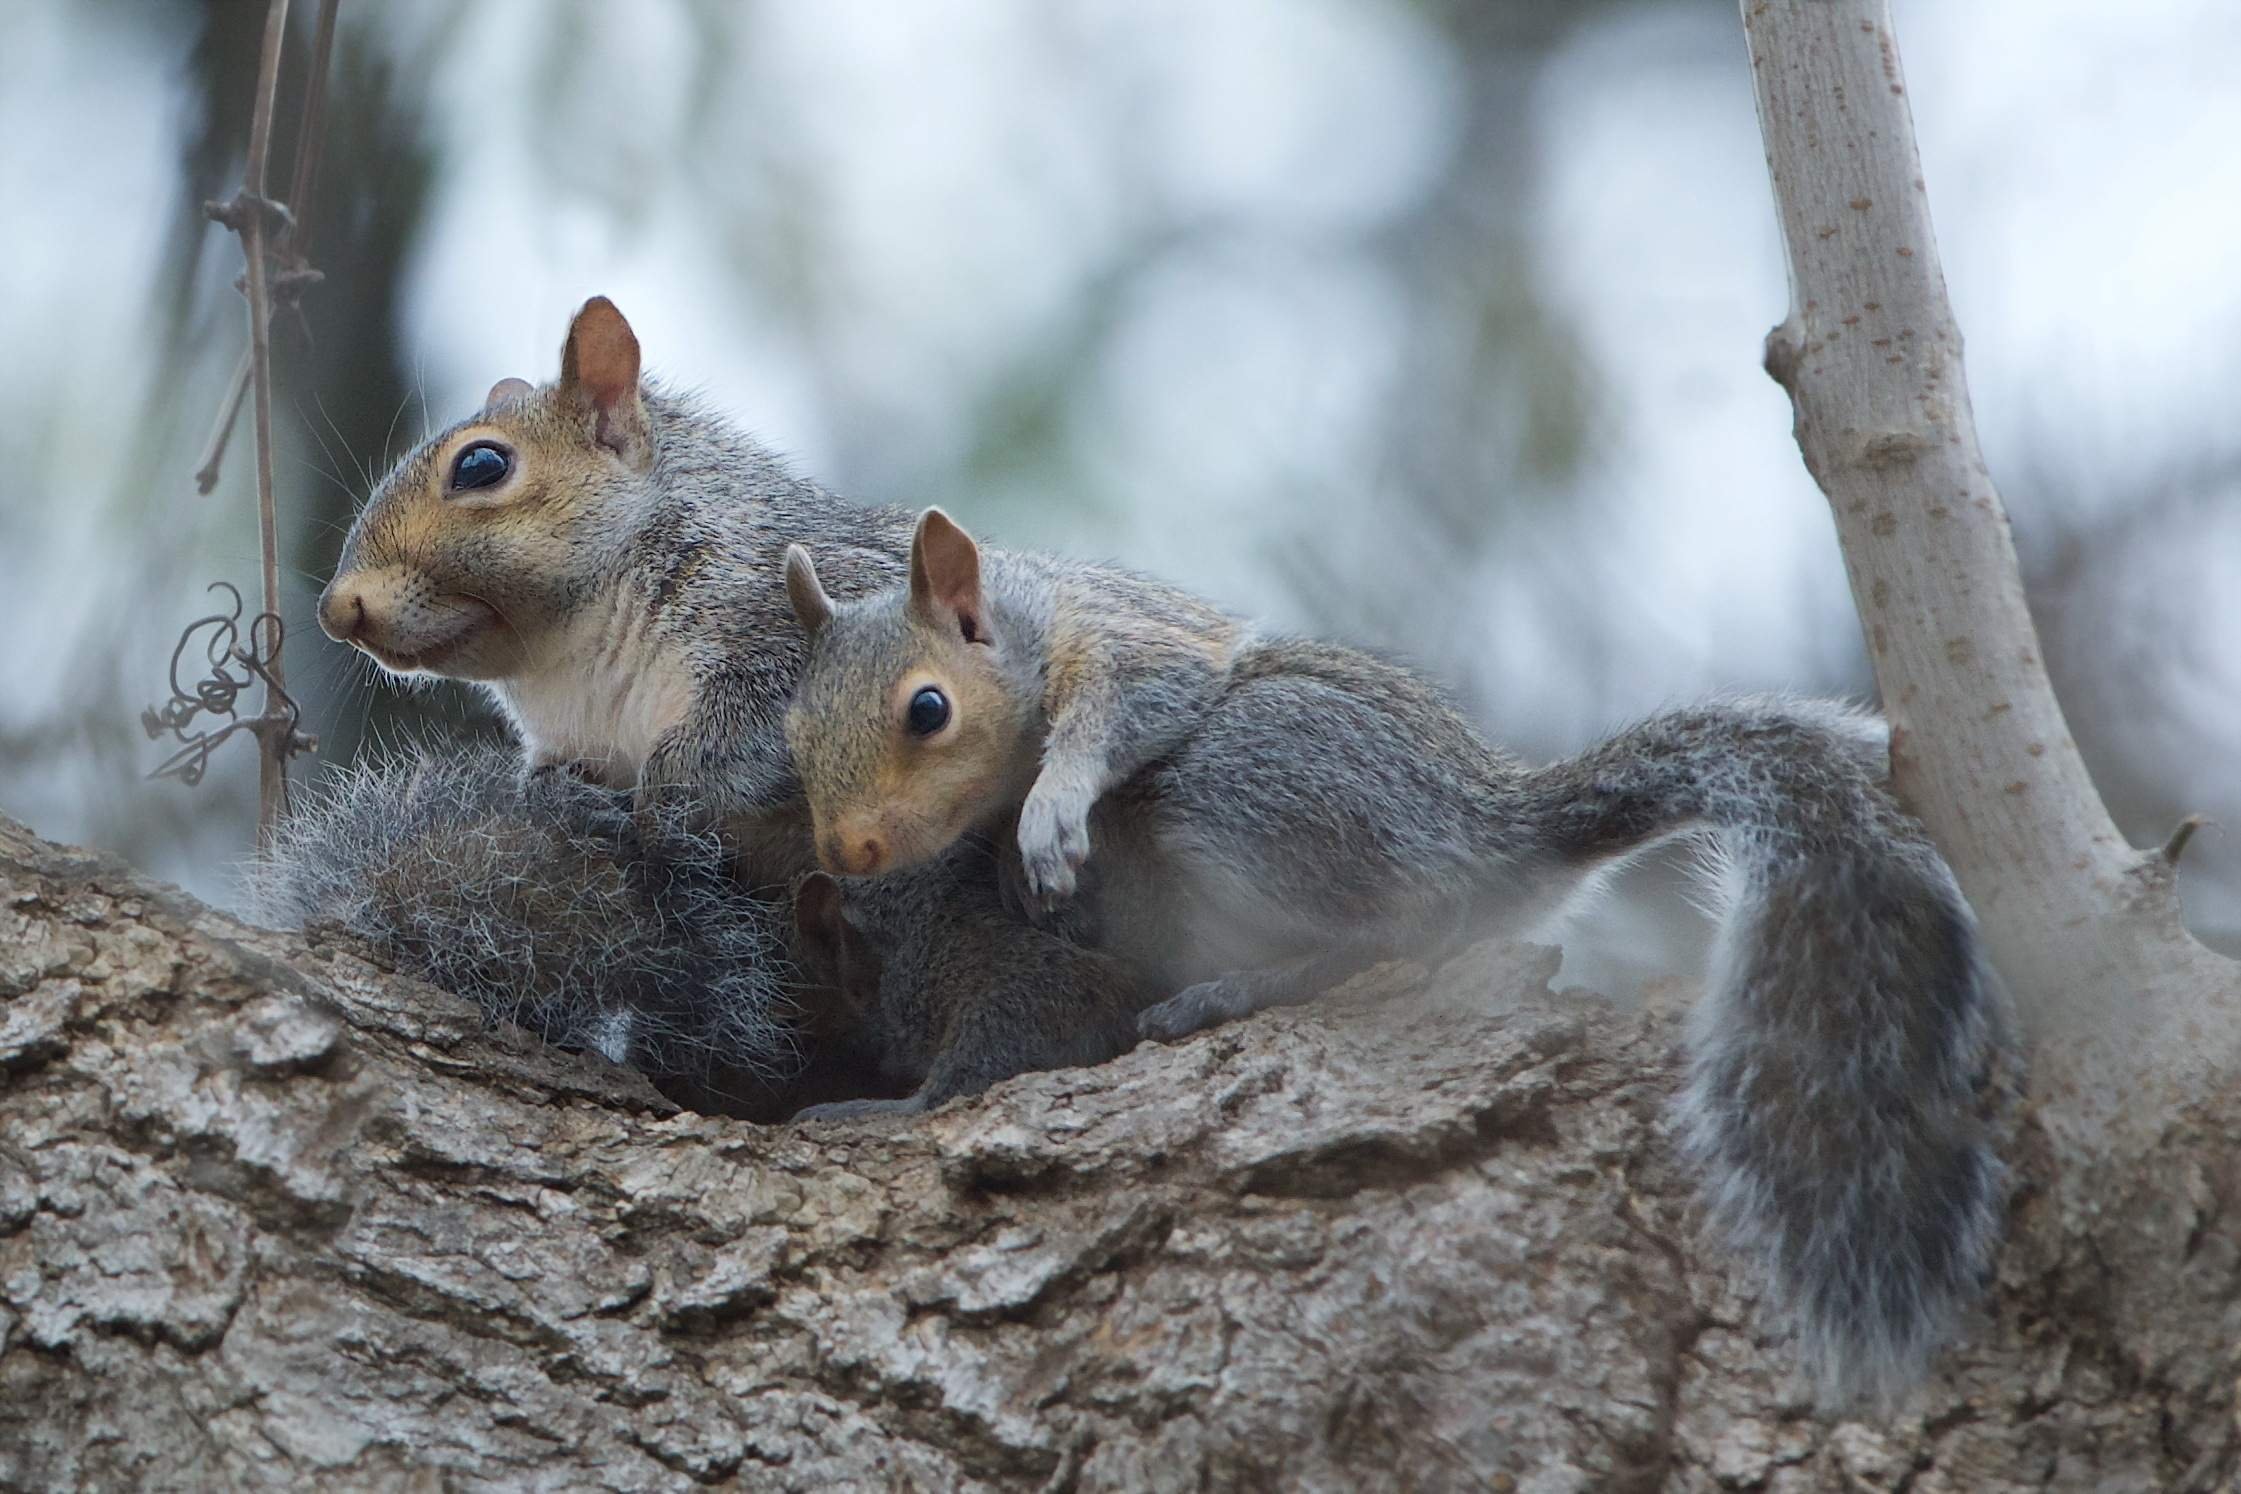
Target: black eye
{"x":929,"y":712}
{"x":480,"y":466}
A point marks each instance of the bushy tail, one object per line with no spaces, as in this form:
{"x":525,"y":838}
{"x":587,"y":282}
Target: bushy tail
{"x":548,"y":911}
{"x":1848,"y":1031}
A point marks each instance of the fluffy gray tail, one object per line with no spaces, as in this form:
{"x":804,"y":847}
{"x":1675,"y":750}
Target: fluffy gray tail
{"x":549,"y":911}
{"x":1848,"y":1031}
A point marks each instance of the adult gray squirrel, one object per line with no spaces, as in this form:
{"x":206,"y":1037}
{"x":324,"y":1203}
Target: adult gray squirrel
{"x":1253,"y":819}
{"x":605,"y":560}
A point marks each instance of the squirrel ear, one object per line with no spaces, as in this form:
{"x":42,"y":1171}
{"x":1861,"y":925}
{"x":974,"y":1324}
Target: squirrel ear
{"x":505,"y":389}
{"x":599,"y":380}
{"x":945,"y":577}
{"x":811,"y":603}
{"x":831,"y":955}
{"x":817,"y":909}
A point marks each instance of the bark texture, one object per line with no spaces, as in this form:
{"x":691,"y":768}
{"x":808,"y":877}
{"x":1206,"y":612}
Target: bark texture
{"x":270,"y":1216}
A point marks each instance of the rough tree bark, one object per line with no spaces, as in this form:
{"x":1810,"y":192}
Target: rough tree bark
{"x":270,"y":1216}
{"x":2132,"y":1020}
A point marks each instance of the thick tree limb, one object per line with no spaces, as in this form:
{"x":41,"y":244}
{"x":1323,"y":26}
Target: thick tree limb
{"x":270,"y":1217}
{"x":2132,"y":1019}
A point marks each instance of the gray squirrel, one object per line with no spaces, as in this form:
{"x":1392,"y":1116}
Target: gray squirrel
{"x":604,"y":558}
{"x":1252,"y":819}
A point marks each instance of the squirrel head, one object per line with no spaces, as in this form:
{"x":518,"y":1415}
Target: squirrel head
{"x":488,"y":535}
{"x":906,"y":728}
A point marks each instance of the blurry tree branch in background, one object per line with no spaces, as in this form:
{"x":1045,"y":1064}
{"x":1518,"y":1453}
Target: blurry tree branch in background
{"x":2131,"y":1018}
{"x":269,"y":233}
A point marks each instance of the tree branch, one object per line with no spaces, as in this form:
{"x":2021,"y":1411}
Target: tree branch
{"x":273,"y":1218}
{"x":2127,"y":1010}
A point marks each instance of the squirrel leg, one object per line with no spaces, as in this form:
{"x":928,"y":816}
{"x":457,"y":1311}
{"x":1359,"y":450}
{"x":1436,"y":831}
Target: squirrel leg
{"x":1240,"y":993}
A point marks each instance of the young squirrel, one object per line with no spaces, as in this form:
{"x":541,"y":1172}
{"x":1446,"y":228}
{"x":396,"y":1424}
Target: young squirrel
{"x":595,"y":553}
{"x":1255,"y":818}
{"x":957,"y":993}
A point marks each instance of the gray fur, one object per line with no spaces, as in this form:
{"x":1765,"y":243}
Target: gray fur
{"x":960,"y":993}
{"x":1838,"y":1056}
{"x":549,"y":909}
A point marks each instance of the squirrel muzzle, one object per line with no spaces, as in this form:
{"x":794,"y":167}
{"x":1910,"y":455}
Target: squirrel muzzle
{"x":852,"y":848}
{"x":400,"y":620}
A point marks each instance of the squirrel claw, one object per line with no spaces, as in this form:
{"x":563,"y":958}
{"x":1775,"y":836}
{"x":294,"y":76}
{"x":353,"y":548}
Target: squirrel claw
{"x":1053,"y":844}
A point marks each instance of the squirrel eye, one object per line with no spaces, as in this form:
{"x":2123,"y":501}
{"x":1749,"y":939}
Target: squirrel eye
{"x":480,"y":466}
{"x":929,"y":712}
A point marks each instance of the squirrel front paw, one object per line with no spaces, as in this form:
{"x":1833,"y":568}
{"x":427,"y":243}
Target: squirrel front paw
{"x":1053,"y":844}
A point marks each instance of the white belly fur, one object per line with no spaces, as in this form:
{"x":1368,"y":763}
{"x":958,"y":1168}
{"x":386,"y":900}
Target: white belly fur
{"x":602,"y":694}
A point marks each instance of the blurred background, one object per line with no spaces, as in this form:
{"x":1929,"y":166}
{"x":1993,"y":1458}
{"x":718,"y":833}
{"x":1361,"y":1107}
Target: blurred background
{"x":1433,"y":324}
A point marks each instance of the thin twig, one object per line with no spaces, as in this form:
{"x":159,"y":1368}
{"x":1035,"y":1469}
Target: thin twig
{"x":312,"y":135}
{"x":229,"y":415}
{"x":215,"y":693}
{"x":293,"y":248}
{"x":272,"y":762}
{"x":273,"y":246}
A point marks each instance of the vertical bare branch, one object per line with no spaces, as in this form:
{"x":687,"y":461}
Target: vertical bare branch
{"x":295,"y":245}
{"x":272,"y":762}
{"x":269,"y":235}
{"x":2085,"y":928}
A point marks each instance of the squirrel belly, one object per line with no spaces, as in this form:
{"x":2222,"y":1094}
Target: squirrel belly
{"x":961,"y":992}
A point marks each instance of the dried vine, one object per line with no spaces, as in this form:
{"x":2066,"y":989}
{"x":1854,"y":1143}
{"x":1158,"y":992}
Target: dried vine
{"x":214,"y":694}
{"x":275,"y":247}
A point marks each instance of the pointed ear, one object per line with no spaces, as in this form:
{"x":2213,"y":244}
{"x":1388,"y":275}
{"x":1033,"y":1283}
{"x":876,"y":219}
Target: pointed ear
{"x":945,"y":577}
{"x":504,"y":390}
{"x":599,"y":380}
{"x":832,"y":957}
{"x":811,"y":604}
{"x":817,"y":912}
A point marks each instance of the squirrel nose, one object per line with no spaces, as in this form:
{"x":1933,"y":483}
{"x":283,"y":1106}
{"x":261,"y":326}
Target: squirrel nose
{"x":856,"y":855}
{"x":342,"y":611}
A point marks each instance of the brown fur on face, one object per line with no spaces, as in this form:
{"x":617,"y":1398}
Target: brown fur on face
{"x":468,"y":583}
{"x":881,"y":797}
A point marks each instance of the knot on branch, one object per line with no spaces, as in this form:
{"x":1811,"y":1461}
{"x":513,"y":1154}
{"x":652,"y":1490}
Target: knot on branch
{"x":1785,"y":348}
{"x":234,"y":667}
{"x":246,"y":210}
